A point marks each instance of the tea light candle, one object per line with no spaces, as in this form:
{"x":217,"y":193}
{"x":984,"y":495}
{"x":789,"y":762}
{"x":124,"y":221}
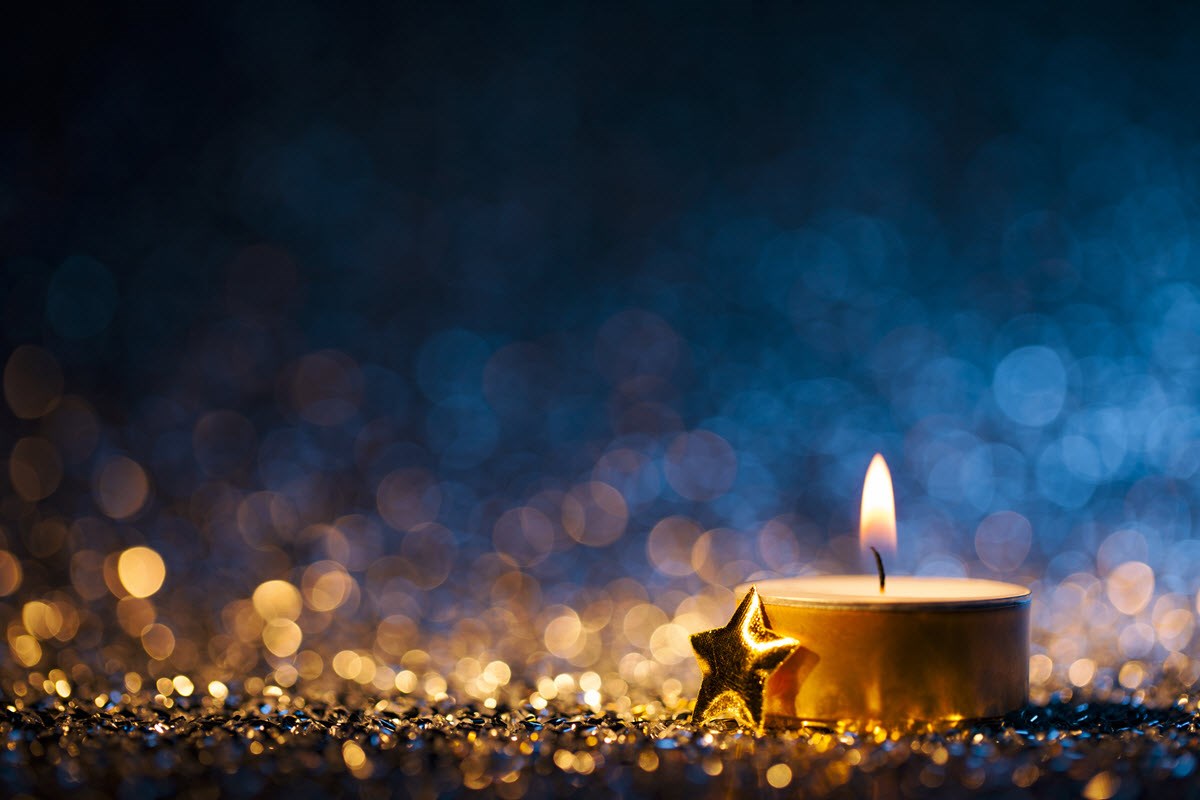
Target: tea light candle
{"x":900,"y":650}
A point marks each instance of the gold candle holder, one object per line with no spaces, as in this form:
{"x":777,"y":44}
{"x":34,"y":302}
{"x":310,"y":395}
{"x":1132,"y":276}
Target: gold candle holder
{"x":929,"y":650}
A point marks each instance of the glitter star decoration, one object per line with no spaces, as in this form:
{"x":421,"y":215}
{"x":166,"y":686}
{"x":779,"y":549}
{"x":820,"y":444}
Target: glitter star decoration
{"x":736,"y":661}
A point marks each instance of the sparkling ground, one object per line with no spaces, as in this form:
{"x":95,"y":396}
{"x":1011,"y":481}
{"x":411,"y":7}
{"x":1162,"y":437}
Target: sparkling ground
{"x":264,"y":746}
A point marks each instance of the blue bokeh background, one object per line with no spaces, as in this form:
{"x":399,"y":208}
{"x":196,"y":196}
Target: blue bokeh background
{"x":413,"y":266}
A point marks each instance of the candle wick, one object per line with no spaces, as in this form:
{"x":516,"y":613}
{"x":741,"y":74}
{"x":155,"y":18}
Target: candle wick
{"x":879,"y":566}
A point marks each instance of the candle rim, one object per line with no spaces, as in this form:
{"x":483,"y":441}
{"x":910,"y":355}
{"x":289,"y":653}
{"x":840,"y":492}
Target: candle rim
{"x":771,"y":590}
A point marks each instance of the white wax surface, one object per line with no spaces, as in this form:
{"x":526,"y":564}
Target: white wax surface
{"x":900,"y":590}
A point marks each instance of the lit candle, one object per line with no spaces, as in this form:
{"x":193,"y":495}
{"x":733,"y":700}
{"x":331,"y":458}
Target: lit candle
{"x":908,"y":649}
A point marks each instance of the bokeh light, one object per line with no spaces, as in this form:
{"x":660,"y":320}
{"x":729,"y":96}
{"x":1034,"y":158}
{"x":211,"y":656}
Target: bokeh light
{"x":490,"y":384}
{"x":141,"y":570}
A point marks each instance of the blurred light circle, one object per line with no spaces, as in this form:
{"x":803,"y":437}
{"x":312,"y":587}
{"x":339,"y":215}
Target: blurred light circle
{"x":1172,"y":326}
{"x":670,"y":644}
{"x":1030,"y":385}
{"x":564,"y":635}
{"x":158,"y":641}
{"x":1009,"y":479}
{"x":700,"y":465}
{"x":1002,"y":540}
{"x":44,"y":620}
{"x":430,"y":550}
{"x":407,"y":498}
{"x":1130,"y":586}
{"x":723,"y":556}
{"x":635,"y":342}
{"x":363,"y":537}
{"x":594,"y":514}
{"x":141,"y":571}
{"x":943,"y":565}
{"x":640,"y":622}
{"x":26,"y":649}
{"x":1119,"y":547}
{"x":1108,"y":431}
{"x":261,"y":516}
{"x":135,"y":613}
{"x":946,"y":458}
{"x":223,"y":442}
{"x":282,"y":637}
{"x":1174,"y":627}
{"x":1136,"y":640}
{"x":635,"y":475}
{"x":276,"y":599}
{"x":46,"y":537}
{"x":670,"y":543}
{"x":976,"y":479}
{"x":778,"y":544}
{"x":87,"y":574}
{"x":396,"y":634}
{"x":326,"y":585}
{"x":121,"y":487}
{"x":1171,"y":441}
{"x":10,"y":573}
{"x":81,"y":298}
{"x":73,"y":427}
{"x":35,"y":469}
{"x":646,"y":418}
{"x":523,"y":535}
{"x":326,"y":387}
{"x":1056,"y":481}
{"x":1081,"y":457}
{"x":33,"y":382}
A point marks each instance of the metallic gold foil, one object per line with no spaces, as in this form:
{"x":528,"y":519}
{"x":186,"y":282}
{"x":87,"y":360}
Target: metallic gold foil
{"x":736,"y":662}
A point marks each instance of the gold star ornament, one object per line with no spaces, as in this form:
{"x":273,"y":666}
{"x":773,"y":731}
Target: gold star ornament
{"x":736,"y":661}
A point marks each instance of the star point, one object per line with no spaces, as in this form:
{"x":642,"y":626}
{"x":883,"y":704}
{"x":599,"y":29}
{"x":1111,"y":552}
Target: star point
{"x":736,"y":661}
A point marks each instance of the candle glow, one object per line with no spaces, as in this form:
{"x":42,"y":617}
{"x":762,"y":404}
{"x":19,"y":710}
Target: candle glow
{"x":922,"y":649}
{"x":877,"y":518}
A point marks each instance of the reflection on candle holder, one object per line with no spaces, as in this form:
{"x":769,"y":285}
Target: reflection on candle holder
{"x":865,"y":661}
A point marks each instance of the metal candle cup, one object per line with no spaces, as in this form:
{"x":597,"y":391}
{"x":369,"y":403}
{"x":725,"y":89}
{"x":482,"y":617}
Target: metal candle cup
{"x":927,"y":650}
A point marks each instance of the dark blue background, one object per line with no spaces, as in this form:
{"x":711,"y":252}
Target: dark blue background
{"x":531,"y":235}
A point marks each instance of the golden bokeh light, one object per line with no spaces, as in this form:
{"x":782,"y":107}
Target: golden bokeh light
{"x":326,"y":586}
{"x":43,"y":620}
{"x":1130,"y":586}
{"x":141,"y":571}
{"x":594,"y":514}
{"x":282,"y":637}
{"x":158,"y":641}
{"x":277,"y":600}
{"x":121,"y":487}
{"x":33,"y":382}
{"x":34,"y":468}
{"x":779,"y":776}
{"x":10,"y":573}
{"x":26,"y":649}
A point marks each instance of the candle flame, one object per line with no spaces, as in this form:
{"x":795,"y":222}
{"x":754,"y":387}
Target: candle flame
{"x":877,"y":520}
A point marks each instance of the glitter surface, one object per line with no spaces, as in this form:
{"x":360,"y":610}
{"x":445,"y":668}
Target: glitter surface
{"x":255,"y":747}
